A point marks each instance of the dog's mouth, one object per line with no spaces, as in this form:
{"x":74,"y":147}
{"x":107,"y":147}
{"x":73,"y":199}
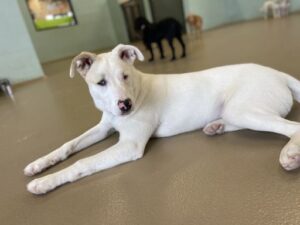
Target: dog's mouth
{"x":125,"y":113}
{"x":125,"y":106}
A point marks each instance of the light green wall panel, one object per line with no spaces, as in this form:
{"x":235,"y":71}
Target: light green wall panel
{"x":148,"y":12}
{"x":95,"y":30}
{"x":219,"y":12}
{"x":118,"y":21}
{"x":18,"y":61}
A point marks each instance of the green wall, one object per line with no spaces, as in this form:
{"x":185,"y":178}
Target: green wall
{"x":118,"y":21}
{"x":97,"y":29}
{"x":216,"y":12}
{"x":18,"y":61}
{"x":147,"y":7}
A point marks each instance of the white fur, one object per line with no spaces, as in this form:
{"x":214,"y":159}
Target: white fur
{"x":278,"y":8}
{"x":222,"y":99}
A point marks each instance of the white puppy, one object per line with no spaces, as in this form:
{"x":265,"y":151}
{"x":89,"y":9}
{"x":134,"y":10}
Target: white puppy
{"x":271,"y":7}
{"x":140,"y":106}
{"x":277,"y":8}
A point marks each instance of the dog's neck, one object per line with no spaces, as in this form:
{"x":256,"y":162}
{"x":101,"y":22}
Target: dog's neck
{"x":142,"y":89}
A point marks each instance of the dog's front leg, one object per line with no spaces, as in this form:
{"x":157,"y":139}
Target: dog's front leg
{"x":124,"y":151}
{"x":161,"y":50}
{"x":95,"y":134}
{"x":149,"y":47}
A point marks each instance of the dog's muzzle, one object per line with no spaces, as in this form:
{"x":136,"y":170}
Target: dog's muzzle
{"x":125,"y":105}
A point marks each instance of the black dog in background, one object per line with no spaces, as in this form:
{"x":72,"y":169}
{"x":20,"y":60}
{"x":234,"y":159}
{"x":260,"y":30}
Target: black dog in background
{"x":155,"y":32}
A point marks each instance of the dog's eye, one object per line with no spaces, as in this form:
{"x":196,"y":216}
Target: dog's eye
{"x":125,"y":77}
{"x":102,"y":82}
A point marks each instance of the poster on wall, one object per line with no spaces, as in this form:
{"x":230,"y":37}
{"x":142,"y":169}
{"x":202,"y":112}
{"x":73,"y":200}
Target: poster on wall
{"x":49,"y":14}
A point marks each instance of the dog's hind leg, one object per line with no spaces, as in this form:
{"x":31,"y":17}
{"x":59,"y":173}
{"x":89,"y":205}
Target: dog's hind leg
{"x":179,"y":38}
{"x":170,"y":41}
{"x":161,"y":50}
{"x":290,"y":154}
{"x":219,"y":127}
{"x":149,"y":47}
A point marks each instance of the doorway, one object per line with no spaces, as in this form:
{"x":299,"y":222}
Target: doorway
{"x":132,"y":9}
{"x":168,"y":8}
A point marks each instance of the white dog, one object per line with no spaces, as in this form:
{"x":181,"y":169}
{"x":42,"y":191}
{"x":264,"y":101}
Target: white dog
{"x":277,"y":8}
{"x":140,"y":106}
{"x":284,"y":7}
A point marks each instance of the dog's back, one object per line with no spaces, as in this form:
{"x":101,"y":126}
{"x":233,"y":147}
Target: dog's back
{"x":169,"y":25}
{"x":166,"y":28}
{"x":194,"y":21}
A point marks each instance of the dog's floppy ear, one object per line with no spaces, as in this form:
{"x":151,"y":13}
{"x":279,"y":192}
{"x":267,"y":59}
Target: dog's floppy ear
{"x":82,"y":63}
{"x":128,"y":53}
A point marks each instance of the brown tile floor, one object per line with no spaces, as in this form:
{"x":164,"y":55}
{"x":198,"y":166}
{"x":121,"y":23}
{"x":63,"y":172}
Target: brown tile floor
{"x":233,"y":179}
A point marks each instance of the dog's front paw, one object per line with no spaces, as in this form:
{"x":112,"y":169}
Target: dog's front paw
{"x":41,"y":185}
{"x":290,"y":156}
{"x":34,"y":168}
{"x":41,"y":164}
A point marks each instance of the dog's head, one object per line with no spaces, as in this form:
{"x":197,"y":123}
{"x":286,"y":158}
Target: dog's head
{"x":111,"y":77}
{"x":140,"y":23}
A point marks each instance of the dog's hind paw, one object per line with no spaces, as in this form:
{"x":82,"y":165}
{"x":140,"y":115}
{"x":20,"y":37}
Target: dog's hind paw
{"x":290,"y":156}
{"x":214,"y":128}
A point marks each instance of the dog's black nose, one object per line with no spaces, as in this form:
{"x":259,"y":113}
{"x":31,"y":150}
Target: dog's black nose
{"x":125,"y":105}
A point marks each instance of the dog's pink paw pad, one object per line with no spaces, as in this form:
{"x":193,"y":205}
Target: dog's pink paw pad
{"x":290,"y":157}
{"x":214,"y":128}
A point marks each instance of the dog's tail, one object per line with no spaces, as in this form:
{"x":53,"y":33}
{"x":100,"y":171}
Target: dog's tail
{"x":294,"y":86}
